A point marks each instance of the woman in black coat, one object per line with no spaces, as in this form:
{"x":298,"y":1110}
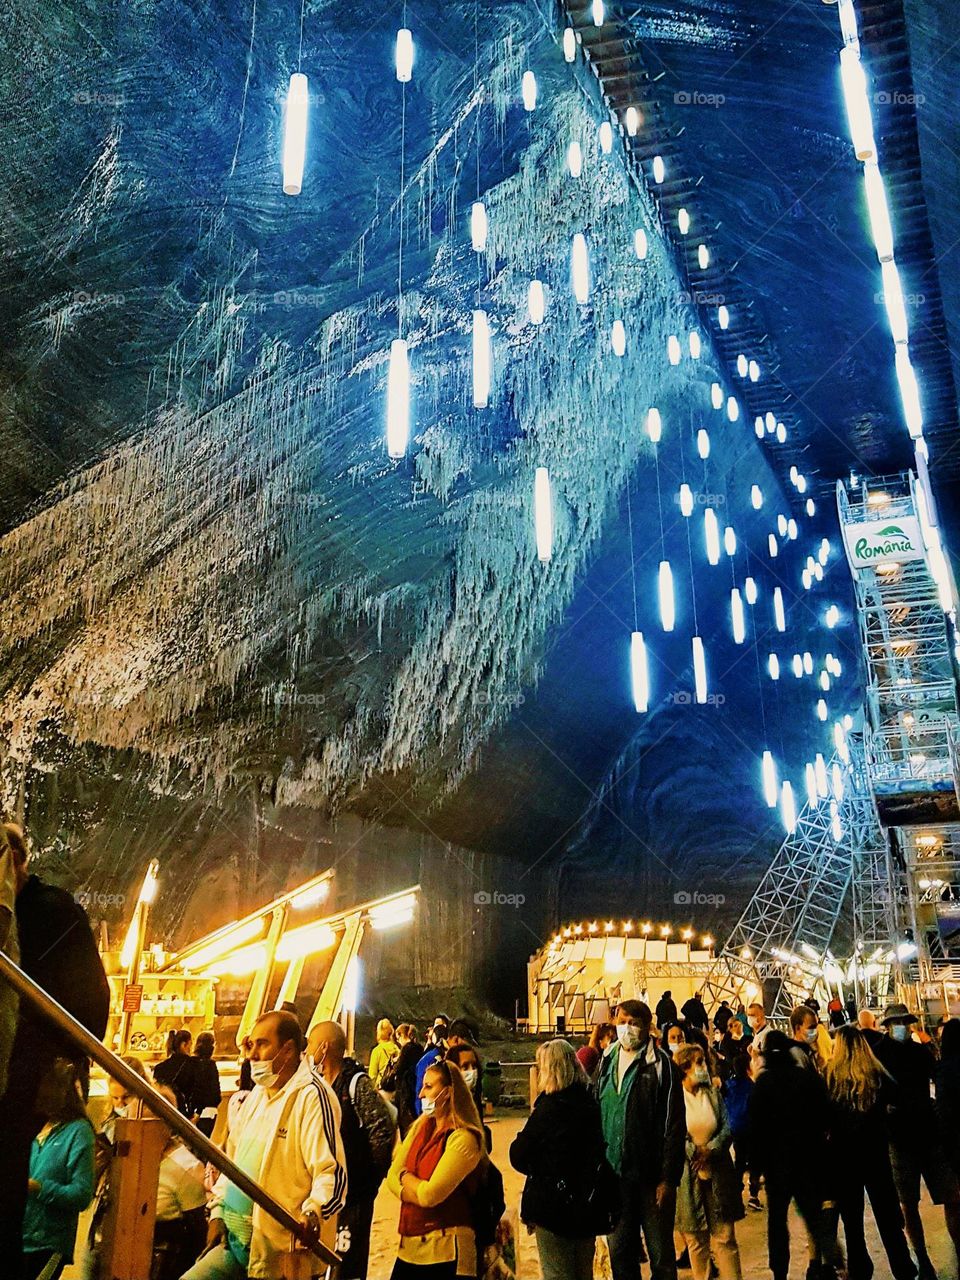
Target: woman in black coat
{"x":947,"y":1087}
{"x":204,"y":1097}
{"x":177,"y":1069}
{"x":403,"y":1076}
{"x":570,"y":1196}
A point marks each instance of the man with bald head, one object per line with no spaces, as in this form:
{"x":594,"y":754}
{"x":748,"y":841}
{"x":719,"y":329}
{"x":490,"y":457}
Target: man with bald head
{"x":287,"y":1139}
{"x":867,"y":1022}
{"x":367,"y":1130}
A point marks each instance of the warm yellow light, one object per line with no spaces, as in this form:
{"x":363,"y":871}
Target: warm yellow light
{"x":578,"y":928}
{"x":746,"y":954}
{"x":305,"y":941}
{"x":148,"y":890}
{"x":647,"y":927}
{"x":609,"y":926}
{"x":239,"y":963}
{"x":243,"y":933}
{"x":687,"y":935}
{"x":665,"y":931}
{"x":708,"y":942}
{"x":310,"y":897}
{"x":614,"y":961}
{"x":593,"y":927}
{"x":129,"y":943}
{"x":388,"y":914}
{"x":878,"y":498}
{"x":628,"y":926}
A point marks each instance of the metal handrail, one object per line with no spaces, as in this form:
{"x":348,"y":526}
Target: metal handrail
{"x":198,"y":1143}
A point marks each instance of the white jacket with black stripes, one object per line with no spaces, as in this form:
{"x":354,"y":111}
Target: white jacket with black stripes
{"x":303,"y":1164}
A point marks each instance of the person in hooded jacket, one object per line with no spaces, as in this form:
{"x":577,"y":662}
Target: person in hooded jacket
{"x":570,"y":1193}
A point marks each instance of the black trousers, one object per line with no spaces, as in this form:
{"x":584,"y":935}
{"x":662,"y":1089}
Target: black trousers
{"x":743,"y":1164}
{"x":877,"y":1182}
{"x":356,"y":1218}
{"x":641,"y":1219}
{"x":803,"y":1188}
{"x":19,"y":1125}
{"x":437,"y":1271}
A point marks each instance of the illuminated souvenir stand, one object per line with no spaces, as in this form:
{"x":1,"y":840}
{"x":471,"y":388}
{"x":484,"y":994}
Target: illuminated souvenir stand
{"x":153,"y":991}
{"x":586,"y":969}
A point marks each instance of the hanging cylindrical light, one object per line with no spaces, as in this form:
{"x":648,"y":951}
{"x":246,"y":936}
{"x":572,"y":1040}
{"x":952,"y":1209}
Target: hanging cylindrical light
{"x":730,"y":541}
{"x":575,"y":159}
{"x":295,"y":134}
{"x":832,"y":616}
{"x":782,"y":525}
{"x":398,"y":400}
{"x":771,"y":422}
{"x":716,"y":395}
{"x":879,"y":210}
{"x":825,"y":681}
{"x":543,"y":513}
{"x":668,"y":611}
{"x":768,"y":772}
{"x":894,"y":302}
{"x":478,"y":226}
{"x":909,"y":393}
{"x":750,"y":591}
{"x":686,"y":500}
{"x":836,"y":779}
{"x":703,"y":257}
{"x":580,"y":268}
{"x":737,"y":620}
{"x":529,"y":90}
{"x":773,"y":666}
{"x":683,"y":221}
{"x":821,"y":709}
{"x":788,"y":808}
{"x":758,"y":427}
{"x":807,"y":579}
{"x":632,"y":121}
{"x":536,"y":302}
{"x":857,"y":99}
{"x":820,"y":769}
{"x":823,"y":555}
{"x":733,"y":408}
{"x":703,"y":443}
{"x":756,"y":497}
{"x":781,"y":433}
{"x":606,"y":137}
{"x":779,"y":613}
{"x":404,"y":55}
{"x":699,"y":670}
{"x":618,"y":338}
{"x":723,"y":316}
{"x":673,"y":349}
{"x":808,"y":663}
{"x":810,"y":780}
{"x":655,"y":428}
{"x":792,"y":529}
{"x":742,"y":365}
{"x":695,"y":346}
{"x":797,"y":666}
{"x":711,"y":534}
{"x":811,"y":507}
{"x":569,"y":44}
{"x":659,"y":169}
{"x":772,"y":547}
{"x":640,"y":677}
{"x":640,"y":243}
{"x":482,"y":360}
{"x":598,"y":13}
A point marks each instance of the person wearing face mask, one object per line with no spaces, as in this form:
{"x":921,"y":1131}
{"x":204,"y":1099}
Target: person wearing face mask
{"x":431,"y":1175}
{"x":709,"y":1200}
{"x":288,"y":1140}
{"x":367,"y":1130}
{"x":673,"y":1038}
{"x":803,"y":1028}
{"x":759,"y":1026}
{"x":641,"y":1108}
{"x":916,"y":1146}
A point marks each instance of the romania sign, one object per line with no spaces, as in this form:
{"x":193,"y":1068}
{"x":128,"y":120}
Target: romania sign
{"x":883,"y":542}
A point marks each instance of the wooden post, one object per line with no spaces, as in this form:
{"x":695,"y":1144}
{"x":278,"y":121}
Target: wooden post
{"x":134,"y":1171}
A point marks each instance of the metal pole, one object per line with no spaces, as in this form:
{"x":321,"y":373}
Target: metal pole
{"x":199,"y":1144}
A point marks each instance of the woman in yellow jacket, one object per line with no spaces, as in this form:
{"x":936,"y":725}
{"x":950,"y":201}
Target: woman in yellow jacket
{"x":432,"y":1176}
{"x":384,"y":1053}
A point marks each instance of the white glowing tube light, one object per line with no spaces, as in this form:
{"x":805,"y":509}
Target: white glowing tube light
{"x":848,"y":23}
{"x":832,"y":616}
{"x":543,"y":514}
{"x":699,"y":670}
{"x":792,"y":529}
{"x":580,"y":268}
{"x":733,"y":408}
{"x":750,"y":591}
{"x":686,"y":500}
{"x":673,"y":349}
{"x":569,"y":44}
{"x":575,"y":159}
{"x":639,"y":672}
{"x":633,"y":121}
{"x":782,"y":525}
{"x":640,"y":244}
{"x":820,"y":768}
{"x":703,"y":443}
{"x":788,"y":808}
{"x":737,"y":620}
{"x":404,"y":55}
{"x":703,"y":257}
{"x":797,"y":666}
{"x":781,"y":433}
{"x":772,"y":548}
{"x":773,"y":666}
{"x":655,"y":431}
{"x":768,"y":772}
{"x":482,"y":360}
{"x":754,"y":371}
{"x":808,"y":663}
{"x":894,"y":302}
{"x":695,"y":344}
{"x":821,"y":709}
{"x":479,"y":226}
{"x":598,"y":13}
{"x":398,"y":400}
{"x":295,"y":134}
{"x":711,"y":534}
{"x":756,"y":497}
{"x":723,"y":316}
{"x":758,"y":427}
{"x":810,"y":780}
{"x":857,"y":99}
{"x":771,"y":422}
{"x":716,"y":395}
{"x":909,"y":393}
{"x":536,"y":302}
{"x":659,"y":169}
{"x":529,"y":91}
{"x":606,"y":137}
{"x":618,"y":338}
{"x":683,"y":221}
{"x":779,"y":613}
{"x":878,"y":210}
{"x":742,"y":365}
{"x":730,"y":541}
{"x":668,"y":612}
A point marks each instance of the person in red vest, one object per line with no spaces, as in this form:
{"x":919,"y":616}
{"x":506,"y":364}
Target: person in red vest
{"x":432,"y":1175}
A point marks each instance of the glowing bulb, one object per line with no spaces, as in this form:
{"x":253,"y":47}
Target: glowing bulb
{"x":703,"y":444}
{"x":640,"y":677}
{"x":730,"y":541}
{"x":823,"y":555}
{"x":758,"y":427}
{"x":754,"y":371}
{"x":529,"y":90}
{"x":580,"y":268}
{"x":716,"y":395}
{"x":779,"y":613}
{"x":810,"y":780}
{"x":711,"y":533}
{"x":575,"y":159}
{"x":909,"y":393}
{"x":723,"y":317}
{"x":821,"y":709}
{"x":797,"y":665}
{"x":543,"y":514}
{"x":768,"y":771}
{"x":569,"y":44}
{"x":482,"y":360}
{"x":792,"y":529}
{"x":808,"y":663}
{"x":742,"y":365}
{"x":404,"y":55}
{"x":878,"y":211}
{"x":606,"y":137}
{"x":478,"y":226}
{"x":598,"y":13}
{"x":801,"y":484}
{"x":699,"y":670}
{"x":737,"y":619}
{"x":618,"y":338}
{"x":756,"y":497}
{"x":782,"y":524}
{"x":695,"y":346}
{"x":655,"y":431}
{"x":773,"y":666}
{"x":640,"y":243}
{"x":750,"y":591}
{"x":772,"y":547}
{"x":807,"y":579}
{"x":659,"y":169}
{"x":398,"y":400}
{"x":665,"y":592}
{"x":536,"y":302}
{"x":733,"y":408}
{"x":857,"y":99}
{"x":703,"y":257}
{"x":295,"y":134}
{"x":686,"y":500}
{"x":820,"y":769}
{"x":683,"y":221}
{"x":632,"y":121}
{"x":771,"y":422}
{"x":673,"y":349}
{"x":788,"y":808}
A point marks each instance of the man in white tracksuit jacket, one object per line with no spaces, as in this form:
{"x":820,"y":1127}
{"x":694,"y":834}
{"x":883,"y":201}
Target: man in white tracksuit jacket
{"x":288,"y":1140}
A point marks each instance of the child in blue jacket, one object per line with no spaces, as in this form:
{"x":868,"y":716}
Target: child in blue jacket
{"x":736,"y":1091}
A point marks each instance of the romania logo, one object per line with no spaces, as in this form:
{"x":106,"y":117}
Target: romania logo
{"x":889,"y":541}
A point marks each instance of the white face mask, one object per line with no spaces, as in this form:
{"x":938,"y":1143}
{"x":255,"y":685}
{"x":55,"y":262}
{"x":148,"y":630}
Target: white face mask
{"x":265,"y":1073}
{"x":428,"y":1106}
{"x":811,"y":1035}
{"x":672,"y":1047}
{"x":629,"y":1036}
{"x":121,"y":1112}
{"x":899,"y":1031}
{"x":701,"y":1075}
{"x":470,"y":1077}
{"x":754,"y":1022}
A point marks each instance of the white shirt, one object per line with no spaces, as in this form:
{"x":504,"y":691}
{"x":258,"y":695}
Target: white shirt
{"x":701,"y":1117}
{"x":180,"y":1187}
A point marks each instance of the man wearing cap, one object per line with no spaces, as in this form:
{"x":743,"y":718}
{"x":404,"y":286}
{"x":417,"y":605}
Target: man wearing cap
{"x":916,"y":1150}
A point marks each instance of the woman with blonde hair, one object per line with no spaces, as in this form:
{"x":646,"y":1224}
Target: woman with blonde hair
{"x":433,"y":1176}
{"x":861,"y":1091}
{"x":571,"y":1193}
{"x":384,"y":1053}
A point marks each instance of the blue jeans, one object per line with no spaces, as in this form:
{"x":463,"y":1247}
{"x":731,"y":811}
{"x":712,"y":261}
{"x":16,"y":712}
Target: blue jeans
{"x":565,"y":1259}
{"x":218,"y":1264}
